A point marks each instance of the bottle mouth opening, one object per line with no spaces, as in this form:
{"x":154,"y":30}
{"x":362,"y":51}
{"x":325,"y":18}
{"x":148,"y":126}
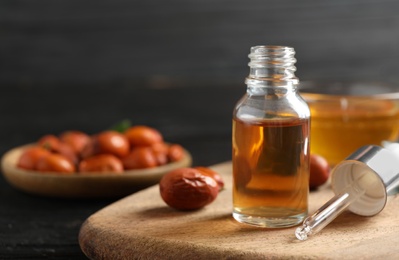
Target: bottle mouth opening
{"x":270,"y":56}
{"x":271,"y":48}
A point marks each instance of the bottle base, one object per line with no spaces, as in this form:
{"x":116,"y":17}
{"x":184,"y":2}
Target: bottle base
{"x":270,"y":221}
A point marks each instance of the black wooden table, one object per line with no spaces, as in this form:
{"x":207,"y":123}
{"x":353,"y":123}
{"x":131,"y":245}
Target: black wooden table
{"x":33,"y":227}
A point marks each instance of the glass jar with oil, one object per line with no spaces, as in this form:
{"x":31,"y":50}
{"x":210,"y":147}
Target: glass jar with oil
{"x":270,"y":140}
{"x":347,"y":115}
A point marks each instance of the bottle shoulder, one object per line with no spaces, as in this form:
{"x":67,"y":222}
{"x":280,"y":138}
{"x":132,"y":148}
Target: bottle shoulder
{"x":293,"y":106}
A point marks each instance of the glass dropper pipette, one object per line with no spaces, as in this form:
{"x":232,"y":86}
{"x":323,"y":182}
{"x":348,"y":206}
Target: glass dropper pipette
{"x":361,"y":184}
{"x":327,"y":213}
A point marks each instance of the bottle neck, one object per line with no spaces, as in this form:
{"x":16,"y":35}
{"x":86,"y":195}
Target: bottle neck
{"x":272,"y":66}
{"x":264,"y":88}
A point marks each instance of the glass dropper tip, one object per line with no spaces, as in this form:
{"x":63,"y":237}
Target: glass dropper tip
{"x":303,"y":232}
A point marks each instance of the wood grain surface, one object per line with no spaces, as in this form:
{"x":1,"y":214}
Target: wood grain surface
{"x":141,"y":226}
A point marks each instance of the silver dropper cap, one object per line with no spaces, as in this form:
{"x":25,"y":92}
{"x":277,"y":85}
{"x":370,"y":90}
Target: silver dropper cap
{"x":361,"y":183}
{"x":372,"y":170}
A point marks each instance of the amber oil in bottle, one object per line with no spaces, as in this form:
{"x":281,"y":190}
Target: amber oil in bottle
{"x":270,"y":139}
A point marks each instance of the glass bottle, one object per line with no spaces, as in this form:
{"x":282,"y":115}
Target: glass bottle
{"x":270,"y":140}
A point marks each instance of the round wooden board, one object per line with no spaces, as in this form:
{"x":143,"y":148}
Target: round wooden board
{"x":141,"y":226}
{"x":94,"y":185}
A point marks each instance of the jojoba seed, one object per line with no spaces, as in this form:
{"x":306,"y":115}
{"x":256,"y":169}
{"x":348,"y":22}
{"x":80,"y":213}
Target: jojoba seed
{"x":175,"y":153}
{"x":30,"y":156}
{"x":113,"y":142}
{"x":140,"y":158}
{"x":160,"y":151}
{"x":143,"y":135}
{"x":67,"y":151}
{"x":319,"y":171}
{"x":49,"y":142}
{"x":55,"y":163}
{"x":188,"y":189}
{"x":106,"y":163}
{"x":76,"y":139}
{"x":211,"y":173}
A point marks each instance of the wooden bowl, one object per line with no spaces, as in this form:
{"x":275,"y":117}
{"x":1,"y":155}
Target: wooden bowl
{"x":95,"y":185}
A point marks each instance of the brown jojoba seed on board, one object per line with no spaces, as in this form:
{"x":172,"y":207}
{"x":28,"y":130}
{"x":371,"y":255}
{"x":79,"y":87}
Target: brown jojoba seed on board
{"x":319,"y":171}
{"x":188,"y":189}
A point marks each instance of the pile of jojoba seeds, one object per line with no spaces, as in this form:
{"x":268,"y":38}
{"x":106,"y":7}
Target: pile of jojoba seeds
{"x":110,"y":151}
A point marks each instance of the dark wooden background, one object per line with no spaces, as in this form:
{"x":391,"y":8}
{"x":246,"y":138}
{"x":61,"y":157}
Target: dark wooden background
{"x":177,"y":65}
{"x":93,"y":59}
{"x":191,"y":42}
